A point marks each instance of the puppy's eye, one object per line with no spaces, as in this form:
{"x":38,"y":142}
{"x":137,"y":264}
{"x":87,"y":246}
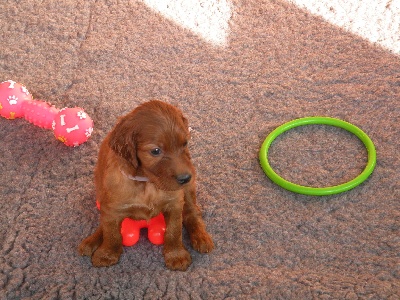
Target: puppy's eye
{"x":185,"y":144}
{"x":155,"y":151}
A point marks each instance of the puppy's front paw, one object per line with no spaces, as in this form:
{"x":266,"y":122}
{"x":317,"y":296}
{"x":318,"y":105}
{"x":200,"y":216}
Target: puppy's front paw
{"x":104,"y":257}
{"x":178,"y":259}
{"x":85,"y":249}
{"x":202,"y":242}
{"x":88,"y":246}
{"x":91,"y":243}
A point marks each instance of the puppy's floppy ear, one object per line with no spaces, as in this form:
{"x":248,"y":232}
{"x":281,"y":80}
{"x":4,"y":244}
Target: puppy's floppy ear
{"x":122,"y":140}
{"x":185,"y":121}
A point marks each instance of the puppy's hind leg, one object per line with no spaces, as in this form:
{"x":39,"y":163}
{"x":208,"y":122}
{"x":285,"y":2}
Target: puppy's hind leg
{"x":89,"y":245}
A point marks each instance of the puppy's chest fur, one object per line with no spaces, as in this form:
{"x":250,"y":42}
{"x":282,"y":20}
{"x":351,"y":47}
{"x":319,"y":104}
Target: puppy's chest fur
{"x":141,"y":200}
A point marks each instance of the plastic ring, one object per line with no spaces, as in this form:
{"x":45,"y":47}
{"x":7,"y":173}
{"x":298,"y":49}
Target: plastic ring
{"x":306,"y":190}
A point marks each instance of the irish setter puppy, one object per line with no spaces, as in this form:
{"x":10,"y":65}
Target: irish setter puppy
{"x":144,"y":168}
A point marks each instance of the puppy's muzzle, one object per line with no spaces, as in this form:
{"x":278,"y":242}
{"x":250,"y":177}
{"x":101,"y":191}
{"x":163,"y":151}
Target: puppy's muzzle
{"x":183,"y":178}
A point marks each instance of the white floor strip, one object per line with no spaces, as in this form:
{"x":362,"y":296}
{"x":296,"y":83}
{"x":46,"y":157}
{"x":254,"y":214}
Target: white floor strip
{"x":375,"y":20}
{"x":208,"y":18}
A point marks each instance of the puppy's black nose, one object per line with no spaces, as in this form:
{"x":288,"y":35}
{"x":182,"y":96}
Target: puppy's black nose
{"x":183,"y":178}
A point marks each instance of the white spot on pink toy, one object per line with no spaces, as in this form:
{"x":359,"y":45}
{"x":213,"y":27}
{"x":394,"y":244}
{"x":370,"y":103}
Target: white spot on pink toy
{"x":89,"y":131}
{"x":12,"y":100}
{"x":24,"y":90}
{"x":62,"y":120}
{"x":12,"y":84}
{"x":82,"y":114}
{"x":69,"y":130}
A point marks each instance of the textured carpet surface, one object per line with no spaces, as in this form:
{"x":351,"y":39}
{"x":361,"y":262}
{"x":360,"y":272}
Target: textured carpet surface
{"x":280,"y":63}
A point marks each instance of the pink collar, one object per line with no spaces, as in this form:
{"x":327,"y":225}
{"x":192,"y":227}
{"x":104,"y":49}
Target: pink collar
{"x":136,"y":178}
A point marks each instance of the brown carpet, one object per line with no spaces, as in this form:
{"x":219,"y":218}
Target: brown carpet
{"x":280,"y":63}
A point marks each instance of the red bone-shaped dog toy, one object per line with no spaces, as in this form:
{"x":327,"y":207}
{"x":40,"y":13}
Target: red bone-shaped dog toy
{"x":130,"y":229}
{"x":72,"y":126}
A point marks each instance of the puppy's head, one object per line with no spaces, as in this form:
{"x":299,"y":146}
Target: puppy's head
{"x":154,"y":138}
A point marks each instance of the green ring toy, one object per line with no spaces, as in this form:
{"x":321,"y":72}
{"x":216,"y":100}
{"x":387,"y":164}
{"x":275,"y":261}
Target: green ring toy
{"x":311,"y":190}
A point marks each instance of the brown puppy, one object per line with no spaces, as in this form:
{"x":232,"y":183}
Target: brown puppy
{"x":144,"y":168}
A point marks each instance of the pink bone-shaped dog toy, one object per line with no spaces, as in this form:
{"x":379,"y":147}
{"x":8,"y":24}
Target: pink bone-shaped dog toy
{"x":130,"y":229}
{"x":72,"y":126}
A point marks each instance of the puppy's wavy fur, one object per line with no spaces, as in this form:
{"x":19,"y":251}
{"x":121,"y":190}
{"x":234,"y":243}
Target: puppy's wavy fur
{"x":150,"y":142}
